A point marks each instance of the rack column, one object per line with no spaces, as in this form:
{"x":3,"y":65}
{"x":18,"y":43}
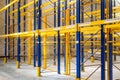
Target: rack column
{"x":45,"y":45}
{"x":5,"y":49}
{"x":24,"y":31}
{"x":109,"y":55}
{"x":82,"y":52}
{"x":54,"y":35}
{"x":59,"y":51}
{"x":13,"y":22}
{"x":34,"y":34}
{"x":18,"y":41}
{"x":92,"y":45}
{"x":67,"y":44}
{"x":29,"y":43}
{"x":78,"y":60}
{"x":110,"y":47}
{"x":82,"y":36}
{"x":102,"y":41}
{"x":9,"y":52}
{"x":39,"y":38}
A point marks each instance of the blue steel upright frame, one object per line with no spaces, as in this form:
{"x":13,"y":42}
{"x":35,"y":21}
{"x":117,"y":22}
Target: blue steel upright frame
{"x":65,"y":4}
{"x":18,"y":41}
{"x":70,"y":12}
{"x":102,"y":41}
{"x":110,"y":9}
{"x":92,"y":48}
{"x":24,"y":31}
{"x":5,"y":29}
{"x":114,"y":4}
{"x":54,"y":36}
{"x":110,"y":58}
{"x":9,"y":31}
{"x":110,"y":45}
{"x":78,"y":60}
{"x":82,"y":52}
{"x":39,"y":38}
{"x":82,"y":36}
{"x":92,"y":45}
{"x":59,"y":37}
{"x":34,"y":34}
{"x":13,"y":22}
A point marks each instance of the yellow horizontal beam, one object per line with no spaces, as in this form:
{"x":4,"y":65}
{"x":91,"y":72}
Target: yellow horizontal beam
{"x":25,"y":6}
{"x":69,"y":3}
{"x":11,"y":3}
{"x":43,"y":5}
{"x":73,"y":17}
{"x":32,"y":2}
{"x":88,"y":28}
{"x":96,"y":13}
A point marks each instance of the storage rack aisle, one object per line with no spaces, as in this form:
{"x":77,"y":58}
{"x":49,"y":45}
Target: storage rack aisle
{"x":78,"y":27}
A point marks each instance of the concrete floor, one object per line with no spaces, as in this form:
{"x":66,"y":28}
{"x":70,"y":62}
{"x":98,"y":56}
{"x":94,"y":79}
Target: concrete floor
{"x":28,"y":72}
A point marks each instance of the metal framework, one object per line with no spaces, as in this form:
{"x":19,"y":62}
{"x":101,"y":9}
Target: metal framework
{"x":97,"y":28}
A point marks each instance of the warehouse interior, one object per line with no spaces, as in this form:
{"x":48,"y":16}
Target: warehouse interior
{"x":59,"y":39}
